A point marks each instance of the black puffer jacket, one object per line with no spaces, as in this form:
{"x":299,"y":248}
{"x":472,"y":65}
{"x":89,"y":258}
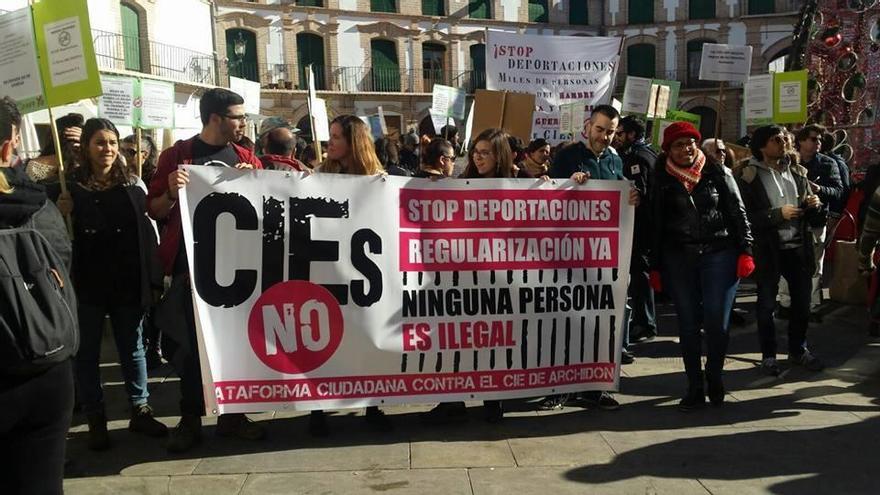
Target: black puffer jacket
{"x":712,"y":218}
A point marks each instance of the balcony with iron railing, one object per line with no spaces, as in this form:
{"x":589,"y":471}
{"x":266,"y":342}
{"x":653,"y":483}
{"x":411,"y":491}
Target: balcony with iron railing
{"x":118,"y":52}
{"x":353,"y":79}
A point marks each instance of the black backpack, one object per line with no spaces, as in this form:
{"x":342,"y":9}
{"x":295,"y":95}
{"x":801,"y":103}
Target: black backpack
{"x":38,"y":320}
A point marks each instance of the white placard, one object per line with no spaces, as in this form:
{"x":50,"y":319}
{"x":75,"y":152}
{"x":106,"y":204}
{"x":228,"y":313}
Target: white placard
{"x":67,"y":61}
{"x":572,"y":117}
{"x":658,"y":101}
{"x":759,"y":99}
{"x":321,"y":122}
{"x":636,"y":95}
{"x":117,"y":102}
{"x":250,"y":91}
{"x":725,"y":62}
{"x":439,"y":120}
{"x":157,"y":105}
{"x":790,"y":97}
{"x":20,"y":78}
{"x":449,"y":101}
{"x":469,"y":127}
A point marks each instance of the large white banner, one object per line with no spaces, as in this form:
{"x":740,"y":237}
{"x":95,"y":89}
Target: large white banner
{"x":556,"y":69}
{"x":338,"y":291}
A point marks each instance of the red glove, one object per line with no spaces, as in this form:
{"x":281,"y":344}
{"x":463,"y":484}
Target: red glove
{"x":745,"y":265}
{"x":655,"y":282}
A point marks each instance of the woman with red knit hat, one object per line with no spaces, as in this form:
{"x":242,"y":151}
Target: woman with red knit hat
{"x":701,"y":247}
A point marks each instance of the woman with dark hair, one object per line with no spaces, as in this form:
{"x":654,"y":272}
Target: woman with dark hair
{"x":537,"y":158}
{"x":114,"y":270}
{"x":438,"y":159}
{"x":44,"y":168}
{"x":389,"y":155}
{"x":701,"y":247}
{"x":149,"y":155}
{"x":350,"y":151}
{"x":491,"y":157}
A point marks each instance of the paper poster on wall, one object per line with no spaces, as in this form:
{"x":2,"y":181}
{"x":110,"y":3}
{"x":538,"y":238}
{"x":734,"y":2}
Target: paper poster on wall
{"x":156,"y":105}
{"x":18,"y":64}
{"x":725,"y":62}
{"x":758,"y":100}
{"x":117,"y":104}
{"x":63,"y":36}
{"x":449,"y":101}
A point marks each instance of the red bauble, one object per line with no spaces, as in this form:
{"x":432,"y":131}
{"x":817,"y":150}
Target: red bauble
{"x":833,"y":40}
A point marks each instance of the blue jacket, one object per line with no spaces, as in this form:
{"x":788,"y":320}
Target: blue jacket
{"x":578,"y":158}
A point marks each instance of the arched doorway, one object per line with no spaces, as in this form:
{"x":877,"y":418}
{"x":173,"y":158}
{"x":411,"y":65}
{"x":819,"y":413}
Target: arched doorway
{"x":310,"y":51}
{"x":707,"y":124}
{"x":131,"y":37}
{"x":385,"y":66}
{"x":433,"y":65}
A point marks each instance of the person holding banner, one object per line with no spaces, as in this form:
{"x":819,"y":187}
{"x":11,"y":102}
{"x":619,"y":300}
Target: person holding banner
{"x":350,"y":151}
{"x":438,"y":159}
{"x":783,"y":210}
{"x":221,"y":112}
{"x":492,"y":158}
{"x":701,"y":246}
{"x":114,"y":272}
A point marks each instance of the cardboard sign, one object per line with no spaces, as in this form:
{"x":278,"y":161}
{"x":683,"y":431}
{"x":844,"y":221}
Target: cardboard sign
{"x":725,"y":62}
{"x":63,"y":35}
{"x":509,"y":111}
{"x":250,"y":91}
{"x":449,"y":101}
{"x":18,"y":65}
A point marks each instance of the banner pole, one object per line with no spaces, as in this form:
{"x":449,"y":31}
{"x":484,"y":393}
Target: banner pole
{"x":138,"y":136}
{"x":315,"y":142}
{"x":720,"y":108}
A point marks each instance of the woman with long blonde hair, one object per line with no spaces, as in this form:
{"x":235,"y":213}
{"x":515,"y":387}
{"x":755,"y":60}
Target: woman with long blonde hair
{"x":350,"y":151}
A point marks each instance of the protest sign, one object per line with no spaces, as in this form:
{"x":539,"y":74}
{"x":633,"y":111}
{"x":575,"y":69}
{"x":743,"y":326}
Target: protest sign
{"x":63,"y":36}
{"x":448,"y":101}
{"x":725,"y":62}
{"x":636,"y":95}
{"x":649,"y":97}
{"x":249,"y":90}
{"x":156,"y":100}
{"x":758,"y":100}
{"x":21,"y":75}
{"x":469,"y":127}
{"x":556,"y":69}
{"x":306,"y":298}
{"x":439,"y":120}
{"x":790,"y":97}
{"x":321,"y":121}
{"x":117,"y":104}
{"x":504,"y":110}
{"x":572,"y":117}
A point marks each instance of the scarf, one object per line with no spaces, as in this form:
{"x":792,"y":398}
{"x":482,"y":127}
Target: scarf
{"x":534,"y":168}
{"x":26,"y":198}
{"x":689,"y":177}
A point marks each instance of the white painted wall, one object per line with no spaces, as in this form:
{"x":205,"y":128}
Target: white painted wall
{"x":737,"y":34}
{"x":104,"y":15}
{"x":510,"y":9}
{"x":184,"y":23}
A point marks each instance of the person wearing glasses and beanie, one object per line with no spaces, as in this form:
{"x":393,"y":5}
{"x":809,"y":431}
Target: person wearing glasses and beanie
{"x":222,"y":113}
{"x":701,"y":247}
{"x":783,"y":210}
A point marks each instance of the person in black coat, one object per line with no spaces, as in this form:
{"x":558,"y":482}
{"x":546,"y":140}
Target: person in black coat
{"x":37,"y":408}
{"x":701,"y":247}
{"x":115,"y":270}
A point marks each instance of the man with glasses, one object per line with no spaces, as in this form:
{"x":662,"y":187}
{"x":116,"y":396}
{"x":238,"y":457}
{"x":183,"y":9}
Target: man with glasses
{"x":825,"y":182}
{"x":782,"y":209}
{"x":222,"y":113}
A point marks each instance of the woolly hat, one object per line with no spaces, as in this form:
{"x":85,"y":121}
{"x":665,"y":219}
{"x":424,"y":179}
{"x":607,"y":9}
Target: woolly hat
{"x":679,"y":130}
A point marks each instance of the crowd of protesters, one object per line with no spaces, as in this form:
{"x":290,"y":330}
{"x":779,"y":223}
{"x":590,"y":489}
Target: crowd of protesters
{"x":703,"y":222}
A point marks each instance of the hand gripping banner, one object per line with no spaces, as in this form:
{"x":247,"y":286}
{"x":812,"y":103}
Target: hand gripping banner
{"x":332,"y":291}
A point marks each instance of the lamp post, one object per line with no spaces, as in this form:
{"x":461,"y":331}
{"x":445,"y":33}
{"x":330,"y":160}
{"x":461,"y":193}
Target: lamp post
{"x":239,"y":50}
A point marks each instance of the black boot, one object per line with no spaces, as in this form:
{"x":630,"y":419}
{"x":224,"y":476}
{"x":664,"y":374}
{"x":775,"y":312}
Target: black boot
{"x":99,"y":438}
{"x":694,"y":400}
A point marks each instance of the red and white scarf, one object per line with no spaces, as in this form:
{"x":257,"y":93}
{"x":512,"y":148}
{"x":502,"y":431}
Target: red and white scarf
{"x":690,"y":176}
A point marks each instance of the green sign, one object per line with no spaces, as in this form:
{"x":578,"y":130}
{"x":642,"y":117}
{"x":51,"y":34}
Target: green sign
{"x":68,"y":67}
{"x":790,"y":97}
{"x":660,"y":125}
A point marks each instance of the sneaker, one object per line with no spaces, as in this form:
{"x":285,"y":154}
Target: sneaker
{"x":808,"y":361}
{"x":627,"y":357}
{"x":445,"y":413}
{"x":99,"y":438}
{"x":240,"y":426}
{"x":694,"y":400}
{"x":553,"y":402}
{"x":377,"y":420}
{"x":602,"y":400}
{"x":186,"y":435}
{"x":318,"y":424}
{"x":154,"y":359}
{"x":770,"y":367}
{"x":142,"y":421}
{"x":494,"y":411}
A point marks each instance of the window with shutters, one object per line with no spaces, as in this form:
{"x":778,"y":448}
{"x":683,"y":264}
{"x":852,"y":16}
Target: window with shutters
{"x":241,"y":54}
{"x":478,"y":66}
{"x":694,"y":58}
{"x":757,"y":7}
{"x":310,"y":3}
{"x":433,"y":66}
{"x":701,"y":9}
{"x":131,"y":38}
{"x":382,"y":6}
{"x":480,"y":9}
{"x":641,"y":11}
{"x":310,"y":51}
{"x":578,"y":13}
{"x":538,"y":11}
{"x":385,"y":71}
{"x":641,"y":60}
{"x":433,"y":8}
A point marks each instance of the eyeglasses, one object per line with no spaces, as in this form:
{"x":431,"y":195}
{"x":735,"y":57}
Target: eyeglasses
{"x":683,"y":145}
{"x":483,"y":153}
{"x":240,"y":118}
{"x":448,"y":157}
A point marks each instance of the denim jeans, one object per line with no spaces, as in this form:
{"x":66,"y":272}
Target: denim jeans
{"x":703,"y":289}
{"x":128,"y":334}
{"x":793,"y":267}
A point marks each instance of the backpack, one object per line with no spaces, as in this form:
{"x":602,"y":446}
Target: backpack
{"x":38,"y":320}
